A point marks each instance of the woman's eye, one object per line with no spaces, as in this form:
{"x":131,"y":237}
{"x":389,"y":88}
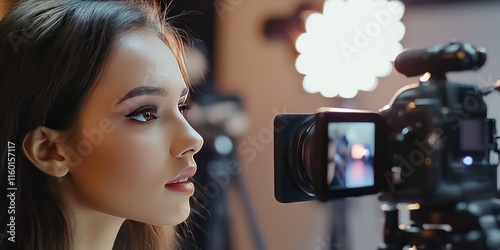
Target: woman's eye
{"x":144,"y":114}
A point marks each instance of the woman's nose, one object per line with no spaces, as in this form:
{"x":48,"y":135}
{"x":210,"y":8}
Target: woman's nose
{"x":187,"y":141}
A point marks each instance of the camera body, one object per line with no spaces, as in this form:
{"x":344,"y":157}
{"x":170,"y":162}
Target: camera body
{"x":432,"y":144}
{"x":443,"y":148}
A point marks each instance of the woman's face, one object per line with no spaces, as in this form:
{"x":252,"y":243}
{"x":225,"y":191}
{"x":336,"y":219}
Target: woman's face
{"x":132,"y":138}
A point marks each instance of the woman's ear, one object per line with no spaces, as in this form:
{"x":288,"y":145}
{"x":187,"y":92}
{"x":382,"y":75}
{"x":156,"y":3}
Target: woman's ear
{"x":44,"y":148}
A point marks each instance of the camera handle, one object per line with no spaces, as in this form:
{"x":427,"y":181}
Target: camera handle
{"x":467,"y":225}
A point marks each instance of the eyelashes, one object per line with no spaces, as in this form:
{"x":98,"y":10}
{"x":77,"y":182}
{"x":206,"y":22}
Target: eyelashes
{"x":144,"y":114}
{"x":148,"y":113}
{"x":185,"y":107}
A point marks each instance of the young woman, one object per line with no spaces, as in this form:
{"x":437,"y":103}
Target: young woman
{"x":95,"y":151}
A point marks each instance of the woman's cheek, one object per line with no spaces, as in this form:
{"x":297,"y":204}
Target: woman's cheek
{"x":132,"y":157}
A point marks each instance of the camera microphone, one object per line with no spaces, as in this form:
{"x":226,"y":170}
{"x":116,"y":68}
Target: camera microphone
{"x":440,"y":59}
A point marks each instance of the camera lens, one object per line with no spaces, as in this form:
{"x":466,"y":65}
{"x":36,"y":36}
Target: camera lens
{"x":301,"y":162}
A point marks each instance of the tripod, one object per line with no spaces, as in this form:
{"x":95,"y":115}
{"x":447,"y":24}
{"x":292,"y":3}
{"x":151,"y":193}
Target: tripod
{"x":471,"y":225}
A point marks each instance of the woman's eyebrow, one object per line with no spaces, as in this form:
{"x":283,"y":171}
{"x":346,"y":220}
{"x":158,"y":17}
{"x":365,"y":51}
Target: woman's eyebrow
{"x":144,"y":90}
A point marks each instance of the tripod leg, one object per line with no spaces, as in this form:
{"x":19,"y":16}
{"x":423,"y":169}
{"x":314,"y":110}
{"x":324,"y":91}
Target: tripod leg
{"x":393,"y":237}
{"x":338,"y":239}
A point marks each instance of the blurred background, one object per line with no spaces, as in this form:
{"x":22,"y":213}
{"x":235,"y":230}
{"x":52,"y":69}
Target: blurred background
{"x":252,"y":56}
{"x":244,"y":62}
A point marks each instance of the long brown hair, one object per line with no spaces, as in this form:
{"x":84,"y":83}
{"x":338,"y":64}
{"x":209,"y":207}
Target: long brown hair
{"x":51,"y":54}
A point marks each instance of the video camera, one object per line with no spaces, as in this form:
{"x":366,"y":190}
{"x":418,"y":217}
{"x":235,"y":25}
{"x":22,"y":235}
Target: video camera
{"x":432,"y":145}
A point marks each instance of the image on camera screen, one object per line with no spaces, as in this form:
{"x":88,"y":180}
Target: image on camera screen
{"x":351,"y":148}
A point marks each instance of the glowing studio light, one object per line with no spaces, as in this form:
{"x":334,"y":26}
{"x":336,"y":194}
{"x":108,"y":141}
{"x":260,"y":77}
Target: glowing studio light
{"x":425,"y":77}
{"x":223,"y":145}
{"x":358,"y":151}
{"x":468,"y":160}
{"x":349,"y":46}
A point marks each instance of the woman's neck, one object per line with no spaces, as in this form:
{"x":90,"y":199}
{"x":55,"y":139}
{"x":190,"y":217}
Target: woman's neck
{"x":94,"y":230}
{"x":91,"y":229}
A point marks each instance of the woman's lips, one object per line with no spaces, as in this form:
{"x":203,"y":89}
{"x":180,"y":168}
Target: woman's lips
{"x":181,"y":182}
{"x":185,"y":187}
